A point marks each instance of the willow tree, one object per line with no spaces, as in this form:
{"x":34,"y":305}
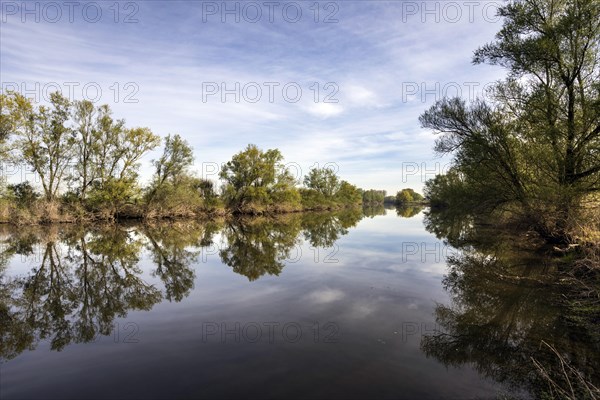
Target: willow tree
{"x":84,"y":115}
{"x":256,"y":179}
{"x":536,"y":141}
{"x":45,"y":139}
{"x":7,"y":121}
{"x":173,"y":188}
{"x":323,"y":180}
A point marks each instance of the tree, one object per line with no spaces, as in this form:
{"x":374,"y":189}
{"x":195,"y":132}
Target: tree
{"x":172,"y":185}
{"x":119,"y":149}
{"x":450,"y":190}
{"x":107,"y":136}
{"x":45,"y":141}
{"x":177,"y":157}
{"x":256,"y":178}
{"x":24,"y":193}
{"x":349,"y":194}
{"x":7,"y":120}
{"x":408,"y":196}
{"x":7,"y":128}
{"x":85,"y":125}
{"x":323,"y":180}
{"x":537,"y":142}
{"x":404,"y":196}
{"x":115,"y":160}
{"x":374,"y":196}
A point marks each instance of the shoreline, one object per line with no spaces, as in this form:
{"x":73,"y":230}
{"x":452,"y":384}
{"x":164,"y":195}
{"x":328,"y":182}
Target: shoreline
{"x":149,"y":217}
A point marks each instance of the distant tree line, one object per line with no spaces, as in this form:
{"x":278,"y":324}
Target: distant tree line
{"x":88,"y":162}
{"x":378,"y":197}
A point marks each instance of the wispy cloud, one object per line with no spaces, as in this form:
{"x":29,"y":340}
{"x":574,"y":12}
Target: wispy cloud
{"x":370,"y":59}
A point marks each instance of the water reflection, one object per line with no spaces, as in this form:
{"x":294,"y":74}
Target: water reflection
{"x":408,"y":211}
{"x":80,"y":281}
{"x":373,"y":210}
{"x":174,"y":247}
{"x":323,"y":230}
{"x":403,"y":211}
{"x":505,"y":303}
{"x":259,"y":246}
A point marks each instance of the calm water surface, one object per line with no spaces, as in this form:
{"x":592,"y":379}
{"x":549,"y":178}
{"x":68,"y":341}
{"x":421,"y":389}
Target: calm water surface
{"x":304,"y":306}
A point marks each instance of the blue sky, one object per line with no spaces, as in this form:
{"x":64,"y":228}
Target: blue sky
{"x":163,"y":64}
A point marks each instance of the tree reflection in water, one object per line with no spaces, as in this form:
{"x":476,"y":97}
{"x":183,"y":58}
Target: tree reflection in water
{"x":80,"y":284}
{"x":505,"y":302}
{"x":408,"y":211}
{"x":324,"y":229}
{"x":81,"y":280}
{"x":258,"y":246}
{"x":174,"y":247}
{"x":373,"y":210}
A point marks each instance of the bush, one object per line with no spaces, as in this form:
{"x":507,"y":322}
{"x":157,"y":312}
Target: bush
{"x":24,"y":194}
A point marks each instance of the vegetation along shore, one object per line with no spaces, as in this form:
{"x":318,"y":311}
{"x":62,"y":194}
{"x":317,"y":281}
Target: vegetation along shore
{"x":87,"y":166}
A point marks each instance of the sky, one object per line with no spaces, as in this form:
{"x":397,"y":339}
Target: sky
{"x":329,"y":83}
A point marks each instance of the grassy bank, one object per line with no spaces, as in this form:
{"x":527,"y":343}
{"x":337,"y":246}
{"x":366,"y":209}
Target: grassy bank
{"x":42,"y":212}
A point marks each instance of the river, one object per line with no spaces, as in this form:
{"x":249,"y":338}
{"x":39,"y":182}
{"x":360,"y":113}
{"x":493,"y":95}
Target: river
{"x":392,"y":304}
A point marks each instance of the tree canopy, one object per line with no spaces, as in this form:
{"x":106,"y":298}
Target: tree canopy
{"x":536,"y":142}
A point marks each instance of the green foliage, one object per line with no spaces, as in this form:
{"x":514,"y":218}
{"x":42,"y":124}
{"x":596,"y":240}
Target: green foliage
{"x":257,"y":181}
{"x":45,"y":141}
{"x":325,"y":191}
{"x":173,"y":190}
{"x":315,"y":200}
{"x":349,"y":194}
{"x":84,"y":117}
{"x":373,"y":196}
{"x":404,"y":197}
{"x":408,"y":211}
{"x":408,"y":196}
{"x":50,"y":139}
{"x":78,"y":146}
{"x":182,"y":198}
{"x":24,"y":193}
{"x":448,"y":190}
{"x":177,"y":157}
{"x":8,"y":120}
{"x":208,"y":193}
{"x":323,"y":180}
{"x":111,"y":195}
{"x":535,"y":144}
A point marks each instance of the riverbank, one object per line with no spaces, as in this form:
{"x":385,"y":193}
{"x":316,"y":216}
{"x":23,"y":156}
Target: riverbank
{"x":54,"y":212}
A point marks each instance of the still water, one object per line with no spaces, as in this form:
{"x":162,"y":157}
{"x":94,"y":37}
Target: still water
{"x":303,"y":306}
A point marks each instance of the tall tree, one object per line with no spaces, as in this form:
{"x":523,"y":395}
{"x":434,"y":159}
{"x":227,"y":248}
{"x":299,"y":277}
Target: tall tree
{"x":46,"y":142}
{"x":7,"y":120}
{"x":537,"y":142}
{"x":323,"y":180}
{"x":177,"y":157}
{"x":254,"y":176}
{"x":115,"y":153}
{"x":173,"y":188}
{"x":84,"y":116}
{"x":119,"y":149}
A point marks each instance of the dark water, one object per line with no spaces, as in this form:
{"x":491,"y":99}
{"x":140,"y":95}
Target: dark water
{"x":303,"y":306}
